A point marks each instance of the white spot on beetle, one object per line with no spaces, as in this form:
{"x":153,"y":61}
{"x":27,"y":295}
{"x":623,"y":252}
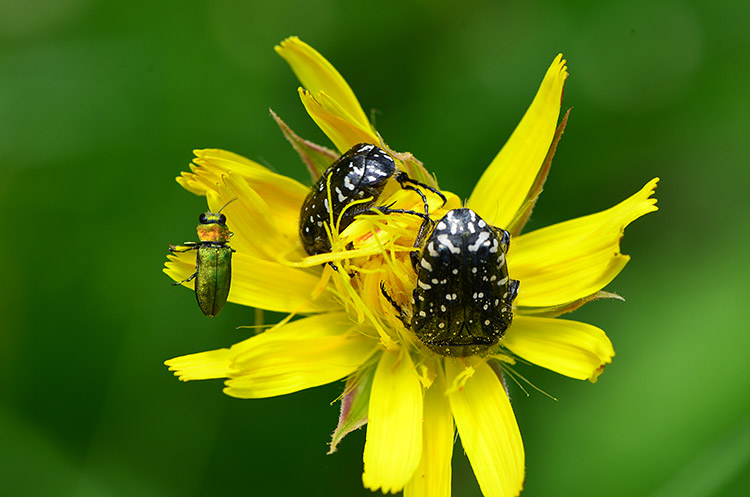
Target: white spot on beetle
{"x":347,"y":183}
{"x":483,"y":237}
{"x":431,"y":249}
{"x":342,"y":197}
{"x":493,"y":249}
{"x":443,"y":239}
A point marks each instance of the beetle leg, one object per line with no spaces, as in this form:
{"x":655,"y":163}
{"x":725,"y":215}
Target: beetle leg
{"x":424,"y":199}
{"x":402,"y":178}
{"x":424,"y":228}
{"x":388,"y":210}
{"x":401,"y":314}
{"x":190,"y":278}
{"x":512,"y":290}
{"x":187,"y":245}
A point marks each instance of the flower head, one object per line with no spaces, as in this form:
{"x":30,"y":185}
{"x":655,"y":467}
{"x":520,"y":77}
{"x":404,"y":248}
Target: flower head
{"x":353,"y":322}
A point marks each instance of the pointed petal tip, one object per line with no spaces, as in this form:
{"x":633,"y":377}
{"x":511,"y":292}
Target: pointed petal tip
{"x":560,"y":66}
{"x":644,"y":197}
{"x":516,"y":167}
{"x":286,"y":43}
{"x":651,"y":188}
{"x":560,"y":63}
{"x":207,"y":365}
{"x":600,"y":370}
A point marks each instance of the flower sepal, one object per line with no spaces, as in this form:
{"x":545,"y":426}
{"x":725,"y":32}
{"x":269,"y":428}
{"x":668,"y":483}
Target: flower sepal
{"x":559,"y":310}
{"x":316,"y":157}
{"x":354,"y":405}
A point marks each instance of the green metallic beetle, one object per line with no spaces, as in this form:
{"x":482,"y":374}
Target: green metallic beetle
{"x":213,"y":262}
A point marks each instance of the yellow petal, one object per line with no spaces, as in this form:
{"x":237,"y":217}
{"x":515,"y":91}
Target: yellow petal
{"x":333,"y":119}
{"x":256,"y":226}
{"x":502,"y":189}
{"x":318,"y":75}
{"x":574,"y":259}
{"x":488,"y":430}
{"x":302,"y":354}
{"x":433,"y":475}
{"x":575,"y":349}
{"x":201,"y":366}
{"x":271,"y":193}
{"x":283,"y":194}
{"x":394,"y":430}
{"x":262,"y":284}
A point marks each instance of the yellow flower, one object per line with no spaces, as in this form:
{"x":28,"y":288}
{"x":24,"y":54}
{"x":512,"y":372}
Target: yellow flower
{"x":409,"y":397}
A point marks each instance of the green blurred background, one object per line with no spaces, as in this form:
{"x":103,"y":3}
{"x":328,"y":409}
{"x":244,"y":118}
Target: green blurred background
{"x":101,"y":104}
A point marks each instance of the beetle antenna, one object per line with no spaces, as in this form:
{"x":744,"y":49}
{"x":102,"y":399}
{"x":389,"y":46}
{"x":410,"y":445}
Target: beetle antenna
{"x":235,"y":198}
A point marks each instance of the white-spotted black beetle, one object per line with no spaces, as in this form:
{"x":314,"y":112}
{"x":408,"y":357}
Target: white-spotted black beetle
{"x":360,"y":174}
{"x":463,"y":301}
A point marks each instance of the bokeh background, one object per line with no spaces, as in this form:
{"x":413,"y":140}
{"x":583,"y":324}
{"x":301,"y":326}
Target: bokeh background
{"x":102,"y":102}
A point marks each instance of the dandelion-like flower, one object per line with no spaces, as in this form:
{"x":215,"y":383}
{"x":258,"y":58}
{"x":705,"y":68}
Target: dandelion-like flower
{"x":344,"y":324}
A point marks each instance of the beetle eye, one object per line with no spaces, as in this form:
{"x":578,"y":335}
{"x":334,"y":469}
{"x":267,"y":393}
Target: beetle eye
{"x":222,"y":219}
{"x":203,"y":219}
{"x":505,"y":240}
